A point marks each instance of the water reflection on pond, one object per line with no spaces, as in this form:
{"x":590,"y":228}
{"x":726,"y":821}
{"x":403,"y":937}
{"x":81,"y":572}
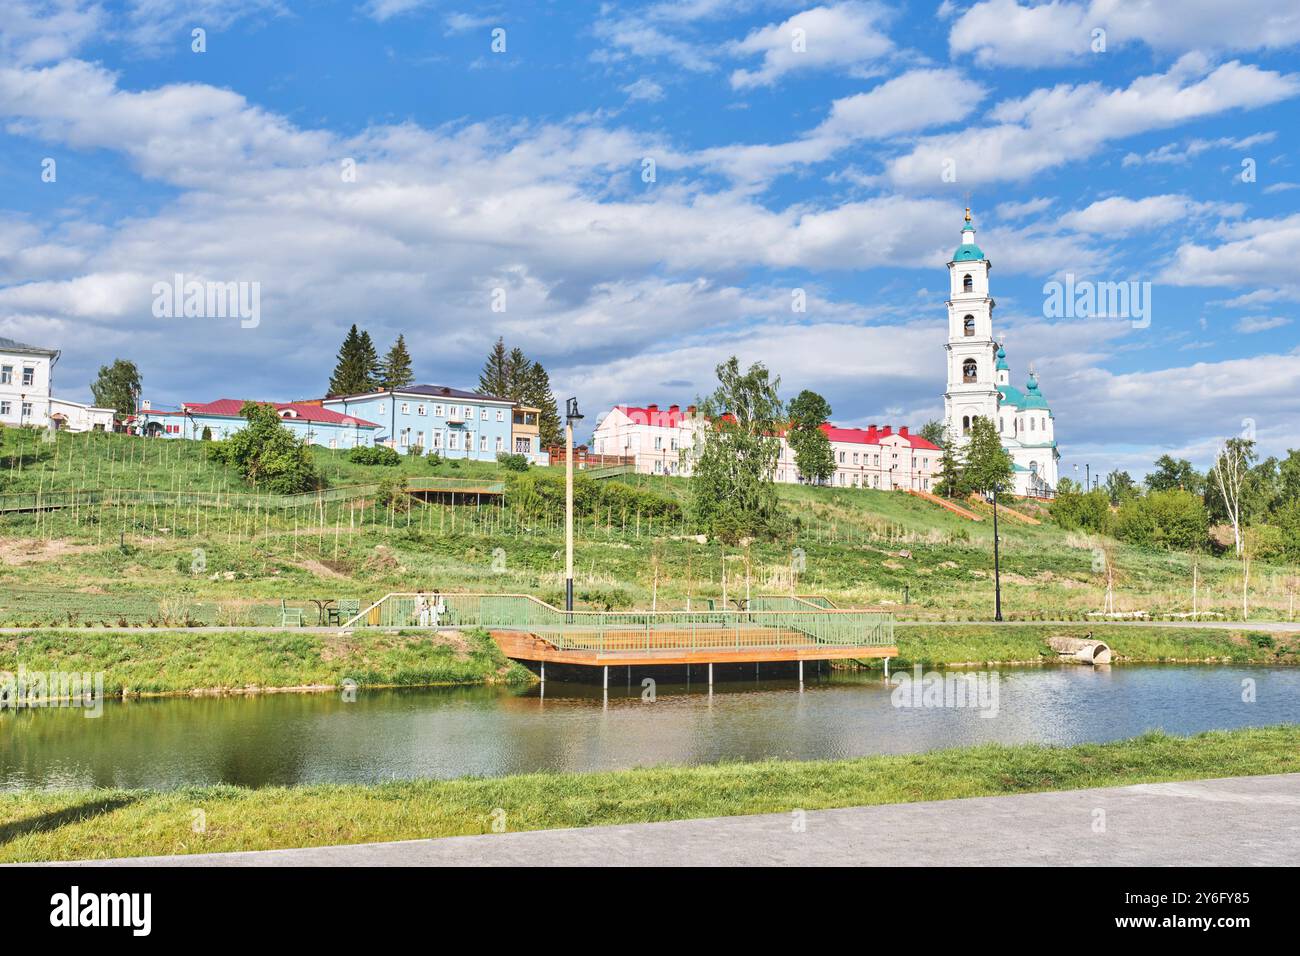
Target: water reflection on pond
{"x":397,"y":734}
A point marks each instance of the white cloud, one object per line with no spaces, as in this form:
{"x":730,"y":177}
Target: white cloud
{"x":1008,"y":33}
{"x":1176,"y":153}
{"x":1022,"y":210}
{"x":845,"y":35}
{"x":1249,"y":325}
{"x":1254,"y":252}
{"x":384,"y":10}
{"x":644,"y":89}
{"x":913,"y":101}
{"x":1119,"y":215}
{"x":1053,"y":126}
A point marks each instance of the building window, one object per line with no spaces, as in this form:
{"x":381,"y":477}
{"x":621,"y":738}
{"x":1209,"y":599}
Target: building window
{"x":482,"y":442}
{"x":406,"y":408}
{"x":501,"y":414}
{"x":6,"y":374}
{"x":420,"y":409}
{"x":500,"y":443}
{"x":29,"y":375}
{"x":968,"y":325}
{"x":969,"y":370}
{"x":659,"y":443}
{"x":27,"y":409}
{"x":5,"y":408}
{"x":483,"y":414}
{"x":967,"y":283}
{"x":453,"y":441}
{"x":437,"y":438}
{"x":437,"y":410}
{"x":523,"y":446}
{"x":381,"y":408}
{"x":1032,"y":423}
{"x":965,"y":424}
{"x":841,"y":460}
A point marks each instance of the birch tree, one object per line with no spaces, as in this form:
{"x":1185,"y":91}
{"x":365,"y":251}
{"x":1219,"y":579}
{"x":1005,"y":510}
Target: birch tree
{"x":1231,"y":467}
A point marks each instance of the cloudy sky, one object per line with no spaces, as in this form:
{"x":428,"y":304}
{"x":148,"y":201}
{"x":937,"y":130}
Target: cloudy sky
{"x":650,"y":184}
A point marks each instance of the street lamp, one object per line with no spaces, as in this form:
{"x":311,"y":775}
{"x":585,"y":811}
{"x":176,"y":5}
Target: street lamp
{"x":571,"y":416}
{"x":997,"y":574}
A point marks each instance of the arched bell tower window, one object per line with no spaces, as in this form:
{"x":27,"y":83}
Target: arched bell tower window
{"x":965,"y":424}
{"x":969,"y":370}
{"x":968,"y":325}
{"x":967,"y":283}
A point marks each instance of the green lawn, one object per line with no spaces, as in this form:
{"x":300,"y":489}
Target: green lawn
{"x":65,"y":825}
{"x":149,"y":662}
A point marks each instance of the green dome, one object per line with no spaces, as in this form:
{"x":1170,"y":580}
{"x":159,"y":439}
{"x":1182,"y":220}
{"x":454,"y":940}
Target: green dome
{"x":968,"y":252}
{"x":1033,"y":397}
{"x":1002,"y":360}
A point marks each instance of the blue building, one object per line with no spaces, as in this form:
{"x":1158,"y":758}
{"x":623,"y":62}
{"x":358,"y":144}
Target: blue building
{"x":451,"y":421}
{"x":314,"y":423}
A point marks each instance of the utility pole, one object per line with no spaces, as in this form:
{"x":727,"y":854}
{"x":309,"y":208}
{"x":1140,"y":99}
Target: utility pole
{"x":997,"y":572}
{"x":571,"y":416}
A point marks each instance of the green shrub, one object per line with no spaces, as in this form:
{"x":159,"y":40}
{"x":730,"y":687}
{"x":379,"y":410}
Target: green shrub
{"x":1164,"y":519}
{"x":1089,"y":511}
{"x":513,"y":462}
{"x":374,"y":455}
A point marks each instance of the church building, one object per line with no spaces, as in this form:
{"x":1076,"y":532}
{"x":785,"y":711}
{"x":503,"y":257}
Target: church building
{"x":979,"y":378}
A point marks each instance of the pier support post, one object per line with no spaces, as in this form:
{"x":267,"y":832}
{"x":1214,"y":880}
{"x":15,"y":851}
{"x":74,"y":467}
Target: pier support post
{"x":543,"y":672}
{"x":801,"y":672}
{"x":886,"y":668}
{"x":710,"y":673}
{"x":606,"y":677}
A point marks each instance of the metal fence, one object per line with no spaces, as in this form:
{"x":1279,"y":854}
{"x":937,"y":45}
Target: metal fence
{"x":801,"y":624}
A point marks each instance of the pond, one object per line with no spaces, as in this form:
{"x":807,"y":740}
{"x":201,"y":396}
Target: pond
{"x":452,"y":732}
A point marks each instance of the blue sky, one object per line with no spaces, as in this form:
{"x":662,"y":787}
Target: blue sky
{"x":829,"y":148}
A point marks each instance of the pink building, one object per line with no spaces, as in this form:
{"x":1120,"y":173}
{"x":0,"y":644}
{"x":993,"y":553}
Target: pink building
{"x":661,"y":441}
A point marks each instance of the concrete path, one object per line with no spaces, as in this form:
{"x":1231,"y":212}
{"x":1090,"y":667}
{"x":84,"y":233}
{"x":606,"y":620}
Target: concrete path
{"x":1276,"y":627}
{"x":1234,"y":821}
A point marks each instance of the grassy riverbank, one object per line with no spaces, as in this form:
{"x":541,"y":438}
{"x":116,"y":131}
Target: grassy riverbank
{"x":111,"y":823}
{"x":153,"y":662}
{"x":951,"y":644}
{"x":179,"y":662}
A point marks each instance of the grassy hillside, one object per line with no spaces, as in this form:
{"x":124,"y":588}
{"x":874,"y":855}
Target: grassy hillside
{"x":160,"y":562}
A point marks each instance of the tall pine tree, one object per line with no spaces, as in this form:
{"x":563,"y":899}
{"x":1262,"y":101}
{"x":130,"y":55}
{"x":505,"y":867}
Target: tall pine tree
{"x":493,"y":380}
{"x":537,"y":392}
{"x":396,"y":370}
{"x":348,"y":377}
{"x":369,"y":360}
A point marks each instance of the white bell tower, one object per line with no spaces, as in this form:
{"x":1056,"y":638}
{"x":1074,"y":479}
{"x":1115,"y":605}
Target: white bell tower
{"x":972,"y":375}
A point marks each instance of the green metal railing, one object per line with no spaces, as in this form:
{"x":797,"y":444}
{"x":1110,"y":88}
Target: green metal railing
{"x":802,"y":624}
{"x":456,"y":485}
{"x":39,"y":500}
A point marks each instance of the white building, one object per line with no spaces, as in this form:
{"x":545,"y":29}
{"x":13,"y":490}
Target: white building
{"x":661,"y":442}
{"x":26,"y":377}
{"x":979,"y":378}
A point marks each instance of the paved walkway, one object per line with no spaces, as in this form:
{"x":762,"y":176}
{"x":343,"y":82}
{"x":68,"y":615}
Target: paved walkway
{"x":1277,"y":627}
{"x":1234,"y":821}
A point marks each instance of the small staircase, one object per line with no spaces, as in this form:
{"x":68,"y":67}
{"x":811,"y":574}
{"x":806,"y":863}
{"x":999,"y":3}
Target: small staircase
{"x":944,"y":503}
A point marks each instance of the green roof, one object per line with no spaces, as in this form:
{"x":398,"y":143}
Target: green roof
{"x":1012,"y":396}
{"x":1002,"y":359}
{"x":967,"y":252}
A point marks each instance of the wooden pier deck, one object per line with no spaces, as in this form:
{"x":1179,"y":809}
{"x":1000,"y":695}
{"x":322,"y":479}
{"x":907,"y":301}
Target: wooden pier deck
{"x":757,"y":645}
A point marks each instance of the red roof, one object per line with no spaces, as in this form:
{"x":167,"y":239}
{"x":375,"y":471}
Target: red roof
{"x":873,"y":435}
{"x":669,"y":417}
{"x":229,"y":408}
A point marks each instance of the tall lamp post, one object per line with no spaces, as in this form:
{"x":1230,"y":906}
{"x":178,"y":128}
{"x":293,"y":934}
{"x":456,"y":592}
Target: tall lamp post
{"x":571,"y":416}
{"x":997,"y":573}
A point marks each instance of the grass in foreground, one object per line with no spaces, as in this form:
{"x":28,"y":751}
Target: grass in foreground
{"x":111,"y":823}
